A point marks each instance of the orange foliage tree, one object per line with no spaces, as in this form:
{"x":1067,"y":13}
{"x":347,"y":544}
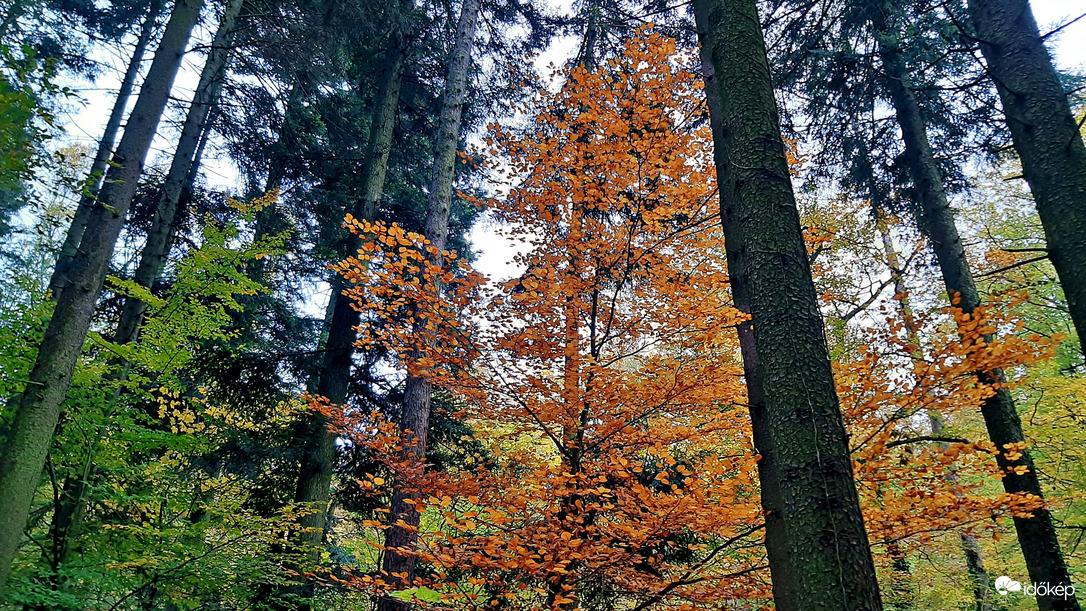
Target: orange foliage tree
{"x":605,"y":379}
{"x":605,"y":383}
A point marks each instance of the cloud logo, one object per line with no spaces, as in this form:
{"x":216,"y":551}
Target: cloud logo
{"x":1005,"y":585}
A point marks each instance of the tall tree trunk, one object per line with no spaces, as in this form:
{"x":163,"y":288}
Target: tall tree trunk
{"x":105,"y":145}
{"x":333,"y":377}
{"x":970,"y":548}
{"x":163,"y":228}
{"x":1045,"y":134}
{"x":768,"y":475}
{"x":415,"y":421}
{"x":38,"y":408}
{"x":831,"y":564}
{"x":68,"y":516}
{"x":587,"y":55}
{"x":1036,"y":535}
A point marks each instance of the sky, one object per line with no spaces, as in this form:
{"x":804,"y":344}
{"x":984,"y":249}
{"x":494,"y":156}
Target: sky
{"x":85,"y":121}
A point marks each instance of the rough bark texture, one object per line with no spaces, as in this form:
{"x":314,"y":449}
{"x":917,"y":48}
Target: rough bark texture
{"x":831,"y":564}
{"x":768,"y":476}
{"x":1036,"y":535}
{"x":333,"y":377}
{"x":415,"y":421}
{"x":1046,"y":137}
{"x":105,"y":144}
{"x":160,"y":235}
{"x":38,"y":408}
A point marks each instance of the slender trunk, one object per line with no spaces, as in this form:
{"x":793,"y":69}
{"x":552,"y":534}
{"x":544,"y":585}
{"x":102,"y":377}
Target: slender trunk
{"x":587,"y":55}
{"x":1036,"y":535}
{"x":768,"y":475}
{"x":105,"y":145}
{"x":415,"y":422}
{"x":163,"y":228}
{"x":969,"y":545}
{"x":68,"y":516}
{"x":831,"y":564}
{"x":1045,"y":134}
{"x":333,"y":377}
{"x":38,"y":408}
{"x":974,"y":562}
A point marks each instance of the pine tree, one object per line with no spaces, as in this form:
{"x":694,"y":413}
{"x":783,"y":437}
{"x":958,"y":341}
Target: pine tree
{"x":38,"y":408}
{"x":825,"y":537}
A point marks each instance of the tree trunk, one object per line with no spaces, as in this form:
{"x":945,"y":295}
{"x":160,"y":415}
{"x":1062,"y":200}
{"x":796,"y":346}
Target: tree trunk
{"x":831,"y":564}
{"x":768,"y":476}
{"x":974,"y":562}
{"x":333,"y":377}
{"x":1037,"y":535}
{"x":163,"y":225}
{"x":415,"y":421}
{"x":105,"y":145}
{"x":38,"y":408}
{"x":969,"y":545}
{"x":67,"y":518}
{"x":1045,"y":134}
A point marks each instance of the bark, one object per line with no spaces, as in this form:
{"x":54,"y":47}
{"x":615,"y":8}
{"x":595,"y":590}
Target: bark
{"x":768,"y":475}
{"x":333,"y":377}
{"x":1045,"y":135}
{"x":105,"y":145}
{"x":415,"y":422}
{"x":831,"y":564}
{"x":1037,"y":535}
{"x":38,"y":408}
{"x":160,"y":236}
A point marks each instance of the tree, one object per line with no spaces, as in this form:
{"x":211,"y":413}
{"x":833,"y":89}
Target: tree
{"x":332,"y":378}
{"x":1045,"y":134}
{"x":109,"y":137}
{"x":831,"y":560}
{"x":415,"y":420}
{"x":1037,"y":534}
{"x":604,"y":382}
{"x":38,"y":407}
{"x":768,"y":475}
{"x":182,"y":169}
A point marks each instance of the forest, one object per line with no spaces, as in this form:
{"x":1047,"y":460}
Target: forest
{"x":595,"y":305}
